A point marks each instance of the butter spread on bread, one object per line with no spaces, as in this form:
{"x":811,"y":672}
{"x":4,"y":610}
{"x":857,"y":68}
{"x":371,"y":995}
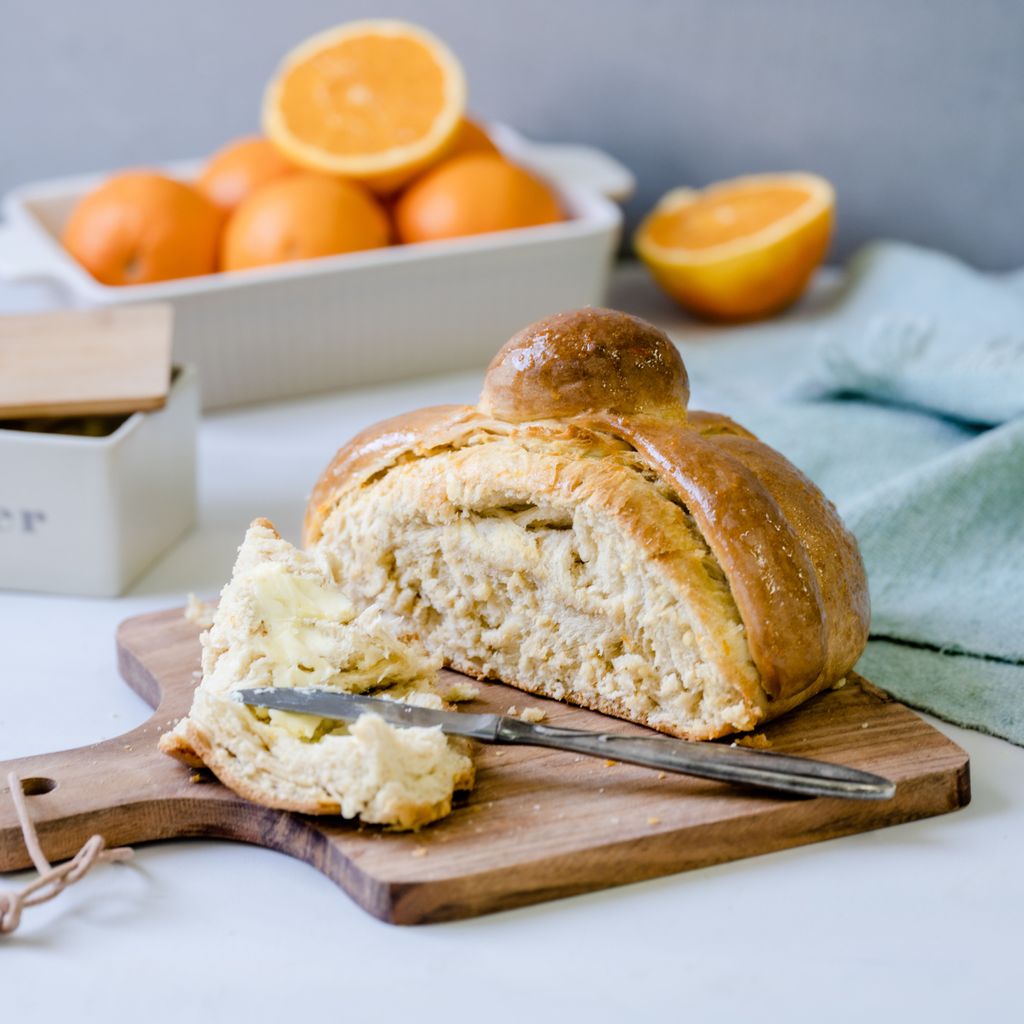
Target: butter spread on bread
{"x":281,"y":621}
{"x":581,"y":535}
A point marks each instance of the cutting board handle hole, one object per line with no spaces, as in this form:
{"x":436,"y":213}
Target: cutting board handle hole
{"x":37,"y":785}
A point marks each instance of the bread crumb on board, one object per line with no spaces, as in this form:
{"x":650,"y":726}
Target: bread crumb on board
{"x":756,"y":740}
{"x":839,"y":683}
{"x":199,"y":611}
{"x":419,"y":851}
{"x":460,"y":691}
{"x":533,"y":715}
{"x":654,"y":821}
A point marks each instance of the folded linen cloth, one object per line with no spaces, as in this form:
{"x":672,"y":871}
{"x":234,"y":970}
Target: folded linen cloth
{"x":879,"y":395}
{"x":920,"y":328}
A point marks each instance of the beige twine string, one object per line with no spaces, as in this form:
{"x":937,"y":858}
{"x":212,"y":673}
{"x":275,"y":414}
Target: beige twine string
{"x":52,"y":881}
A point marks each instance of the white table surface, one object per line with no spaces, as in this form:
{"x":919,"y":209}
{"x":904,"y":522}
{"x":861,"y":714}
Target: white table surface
{"x":924,"y":918}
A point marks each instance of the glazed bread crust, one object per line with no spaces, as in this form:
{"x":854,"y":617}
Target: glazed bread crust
{"x":584,"y":360}
{"x":587,"y":411}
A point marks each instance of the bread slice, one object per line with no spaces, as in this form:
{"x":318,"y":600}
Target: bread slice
{"x":282,"y":622}
{"x":582,"y":535}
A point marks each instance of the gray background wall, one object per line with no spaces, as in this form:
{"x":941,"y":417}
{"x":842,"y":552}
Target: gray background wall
{"x":914,"y":108}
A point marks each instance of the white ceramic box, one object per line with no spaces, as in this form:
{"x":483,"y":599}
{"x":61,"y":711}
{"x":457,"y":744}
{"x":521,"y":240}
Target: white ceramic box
{"x":358,"y":318}
{"x":87,"y":515}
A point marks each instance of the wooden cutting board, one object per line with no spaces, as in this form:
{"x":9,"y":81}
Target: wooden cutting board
{"x":539,"y":825}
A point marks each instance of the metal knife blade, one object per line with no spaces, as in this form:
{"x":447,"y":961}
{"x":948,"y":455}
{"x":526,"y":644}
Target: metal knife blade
{"x":346,"y":707}
{"x":763,"y":769}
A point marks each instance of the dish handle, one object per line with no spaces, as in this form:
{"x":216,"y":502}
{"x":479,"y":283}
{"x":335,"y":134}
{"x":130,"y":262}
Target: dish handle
{"x":24,"y":258}
{"x":37,"y":280}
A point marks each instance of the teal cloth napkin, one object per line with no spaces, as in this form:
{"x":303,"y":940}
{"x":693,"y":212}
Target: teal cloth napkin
{"x":919,"y":328}
{"x":903,"y":398}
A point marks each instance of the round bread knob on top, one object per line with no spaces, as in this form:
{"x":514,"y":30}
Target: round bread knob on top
{"x":586,"y":360}
{"x":579,"y":534}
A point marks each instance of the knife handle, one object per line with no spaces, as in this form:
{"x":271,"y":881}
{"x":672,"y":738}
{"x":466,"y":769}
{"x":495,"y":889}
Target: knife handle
{"x":779,"y":772}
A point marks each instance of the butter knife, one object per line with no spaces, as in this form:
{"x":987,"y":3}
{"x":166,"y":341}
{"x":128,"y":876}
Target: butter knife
{"x":765,"y":770}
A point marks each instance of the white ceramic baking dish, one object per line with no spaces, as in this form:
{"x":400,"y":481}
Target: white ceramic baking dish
{"x":358,"y":318}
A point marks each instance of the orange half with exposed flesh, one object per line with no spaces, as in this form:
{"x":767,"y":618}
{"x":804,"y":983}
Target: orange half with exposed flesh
{"x":369,"y":100}
{"x":740,"y":249}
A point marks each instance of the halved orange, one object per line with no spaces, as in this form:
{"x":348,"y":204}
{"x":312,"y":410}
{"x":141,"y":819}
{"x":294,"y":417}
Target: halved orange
{"x":375,"y":101}
{"x":739,"y":249}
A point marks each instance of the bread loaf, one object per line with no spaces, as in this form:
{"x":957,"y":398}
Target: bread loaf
{"x":581,"y":535}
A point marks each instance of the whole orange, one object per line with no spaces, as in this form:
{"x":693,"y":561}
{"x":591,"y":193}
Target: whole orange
{"x":472,"y":194}
{"x":233,"y":173}
{"x":471,"y":138}
{"x":140,"y":226}
{"x":301,"y":217}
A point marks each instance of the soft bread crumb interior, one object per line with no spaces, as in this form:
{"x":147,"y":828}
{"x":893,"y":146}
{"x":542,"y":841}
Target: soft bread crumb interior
{"x":282,"y":622}
{"x":560,"y":566}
